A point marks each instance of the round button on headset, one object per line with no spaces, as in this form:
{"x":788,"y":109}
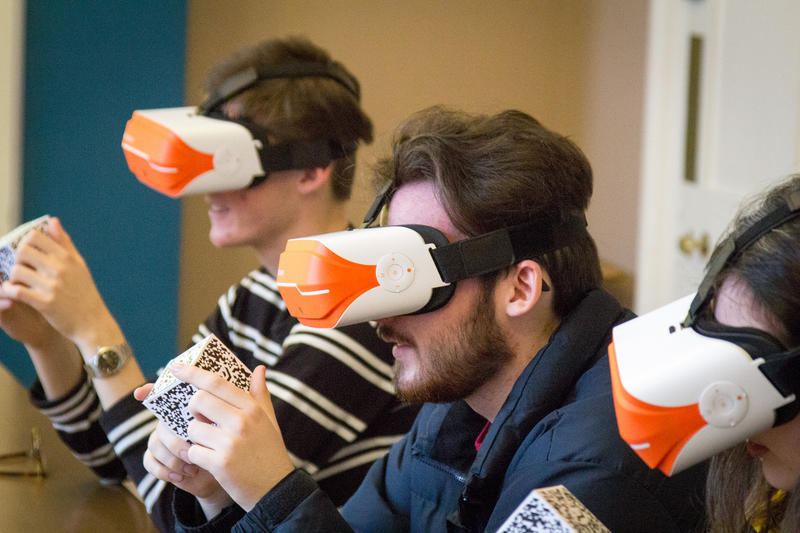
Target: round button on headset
{"x":723,"y":404}
{"x":395,"y":272}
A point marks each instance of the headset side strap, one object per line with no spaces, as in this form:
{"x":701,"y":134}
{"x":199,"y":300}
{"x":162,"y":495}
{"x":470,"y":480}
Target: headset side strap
{"x":473,"y":257}
{"x":501,"y":248}
{"x":310,"y":69}
{"x":726,"y":249}
{"x":734,"y":245}
{"x":298,"y":155}
{"x":377,"y":204}
{"x":241,"y":81}
{"x":783,"y":371}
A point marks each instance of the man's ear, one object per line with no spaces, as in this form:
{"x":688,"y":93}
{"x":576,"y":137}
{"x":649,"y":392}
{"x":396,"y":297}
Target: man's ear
{"x":313,"y":179}
{"x":523,"y":287}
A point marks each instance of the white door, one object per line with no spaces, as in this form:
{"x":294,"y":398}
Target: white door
{"x":721,"y":122}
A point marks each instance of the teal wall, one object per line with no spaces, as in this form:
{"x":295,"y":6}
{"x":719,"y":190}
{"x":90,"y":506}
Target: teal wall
{"x":88,"y":65}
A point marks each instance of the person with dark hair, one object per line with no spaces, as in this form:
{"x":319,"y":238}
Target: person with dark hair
{"x":332,"y":389}
{"x":716,"y":374}
{"x":754,"y":485}
{"x":512,"y":365}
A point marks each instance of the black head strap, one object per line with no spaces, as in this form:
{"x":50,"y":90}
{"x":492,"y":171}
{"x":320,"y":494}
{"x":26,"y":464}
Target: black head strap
{"x":245,"y":79}
{"x":504,"y":247}
{"x":783,"y":370}
{"x":374,"y":210}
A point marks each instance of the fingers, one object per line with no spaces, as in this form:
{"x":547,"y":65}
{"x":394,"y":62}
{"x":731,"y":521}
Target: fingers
{"x":159,"y":470}
{"x":164,"y":456}
{"x":5,"y":299}
{"x":44,"y":242}
{"x":53,"y":278}
{"x":220,"y":403}
{"x":171,"y":450}
{"x":141,"y":392}
{"x":216,"y":385}
{"x":23,"y":294}
{"x":260,"y":393}
{"x":39,"y":265}
{"x":210,"y":412}
{"x":35,"y":279}
{"x":204,"y":457}
{"x":258,"y":384}
{"x":59,"y":234}
{"x":52,"y":254}
{"x":38,"y":258}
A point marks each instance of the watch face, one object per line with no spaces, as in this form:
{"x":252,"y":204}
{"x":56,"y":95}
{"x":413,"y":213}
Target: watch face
{"x":108,"y":361}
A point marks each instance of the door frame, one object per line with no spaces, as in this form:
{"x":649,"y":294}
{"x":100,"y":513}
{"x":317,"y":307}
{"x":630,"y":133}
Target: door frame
{"x":663,"y":125}
{"x":12,"y":29}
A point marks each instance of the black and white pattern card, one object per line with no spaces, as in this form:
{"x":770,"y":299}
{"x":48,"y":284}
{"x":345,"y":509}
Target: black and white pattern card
{"x":169,"y":399}
{"x":552,"y":510}
{"x":10,"y":241}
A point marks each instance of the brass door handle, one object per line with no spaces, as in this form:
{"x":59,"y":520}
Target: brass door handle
{"x":688,"y":245}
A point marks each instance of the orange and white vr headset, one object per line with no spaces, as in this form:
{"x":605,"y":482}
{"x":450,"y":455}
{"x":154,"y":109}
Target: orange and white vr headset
{"x":347,"y":277}
{"x":187,"y":150}
{"x":687,"y":387}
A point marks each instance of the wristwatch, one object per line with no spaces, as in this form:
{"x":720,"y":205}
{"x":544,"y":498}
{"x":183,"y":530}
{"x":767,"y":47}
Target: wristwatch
{"x":108,"y":360}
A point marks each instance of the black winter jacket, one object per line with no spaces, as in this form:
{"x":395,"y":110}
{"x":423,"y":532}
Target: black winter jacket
{"x":557,"y":427}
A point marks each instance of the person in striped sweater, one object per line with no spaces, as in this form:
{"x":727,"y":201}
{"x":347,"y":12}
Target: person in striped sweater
{"x":333,"y":388}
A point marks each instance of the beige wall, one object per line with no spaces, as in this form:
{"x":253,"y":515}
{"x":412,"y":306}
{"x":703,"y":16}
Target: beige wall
{"x":576,"y":65}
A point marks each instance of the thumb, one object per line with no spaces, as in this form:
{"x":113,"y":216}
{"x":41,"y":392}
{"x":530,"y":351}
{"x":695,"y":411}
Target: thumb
{"x":258,"y":385}
{"x":58,"y":233}
{"x":259,"y":392}
{"x":141,"y":392}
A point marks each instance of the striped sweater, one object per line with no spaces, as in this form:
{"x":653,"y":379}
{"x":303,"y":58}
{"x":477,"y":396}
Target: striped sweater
{"x":331,"y":388}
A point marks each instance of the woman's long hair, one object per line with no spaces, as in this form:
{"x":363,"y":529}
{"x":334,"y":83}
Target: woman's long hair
{"x":738,"y":498}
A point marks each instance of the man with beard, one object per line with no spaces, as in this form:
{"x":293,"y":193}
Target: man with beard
{"x":512,"y":367}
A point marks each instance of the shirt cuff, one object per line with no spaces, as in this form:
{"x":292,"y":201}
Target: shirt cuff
{"x":40,"y":401}
{"x":189,"y":515}
{"x":282,"y":500}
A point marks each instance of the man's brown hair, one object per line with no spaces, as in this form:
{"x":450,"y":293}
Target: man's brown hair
{"x":299,"y":109}
{"x":496,"y":171}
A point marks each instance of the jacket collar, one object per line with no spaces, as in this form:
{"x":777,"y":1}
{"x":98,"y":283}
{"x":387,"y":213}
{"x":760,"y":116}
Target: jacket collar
{"x":545,"y":384}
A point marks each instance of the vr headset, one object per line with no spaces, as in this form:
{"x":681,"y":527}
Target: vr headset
{"x":687,"y":387}
{"x":187,"y":150}
{"x":347,"y":277}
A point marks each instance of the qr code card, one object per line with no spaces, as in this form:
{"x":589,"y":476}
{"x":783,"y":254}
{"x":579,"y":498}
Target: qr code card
{"x":169,"y":398}
{"x":552,"y":510}
{"x":10,"y":241}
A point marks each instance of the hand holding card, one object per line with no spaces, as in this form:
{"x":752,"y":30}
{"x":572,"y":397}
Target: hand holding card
{"x":169,"y":398}
{"x":10,"y":242}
